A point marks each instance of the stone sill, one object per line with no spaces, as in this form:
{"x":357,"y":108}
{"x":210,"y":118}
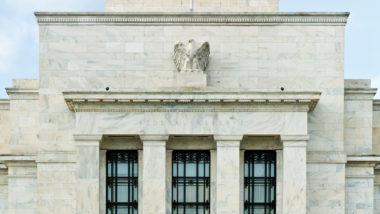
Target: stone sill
{"x":191,"y":101}
{"x":284,"y":18}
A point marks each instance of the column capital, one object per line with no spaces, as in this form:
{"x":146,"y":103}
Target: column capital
{"x":293,"y":138}
{"x":154,"y":137}
{"x":228,"y":137}
{"x":87,"y":137}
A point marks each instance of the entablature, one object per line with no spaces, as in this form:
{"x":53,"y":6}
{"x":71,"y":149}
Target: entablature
{"x":200,"y":101}
{"x":194,"y":18}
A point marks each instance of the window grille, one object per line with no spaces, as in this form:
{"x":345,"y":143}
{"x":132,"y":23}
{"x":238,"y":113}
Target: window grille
{"x":260,"y":182}
{"x":191,"y":182}
{"x":122,"y":182}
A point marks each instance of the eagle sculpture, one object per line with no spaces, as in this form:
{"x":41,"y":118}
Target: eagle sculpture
{"x":191,"y":57}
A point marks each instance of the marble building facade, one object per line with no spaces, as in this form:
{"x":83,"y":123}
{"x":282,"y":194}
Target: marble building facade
{"x":263,"y":82}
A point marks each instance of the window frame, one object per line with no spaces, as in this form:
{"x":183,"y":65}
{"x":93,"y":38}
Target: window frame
{"x":269,"y":179}
{"x":133,"y":185}
{"x":206,"y":179}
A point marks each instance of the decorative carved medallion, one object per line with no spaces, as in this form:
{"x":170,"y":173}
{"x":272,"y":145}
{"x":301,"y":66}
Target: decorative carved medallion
{"x":191,"y":57}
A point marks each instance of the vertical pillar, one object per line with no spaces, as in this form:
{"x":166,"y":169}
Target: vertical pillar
{"x":154,"y":174}
{"x":22,"y":185}
{"x":3,"y":188}
{"x":360,"y":185}
{"x":88,"y":173}
{"x":294,"y":174}
{"x":228,"y":174}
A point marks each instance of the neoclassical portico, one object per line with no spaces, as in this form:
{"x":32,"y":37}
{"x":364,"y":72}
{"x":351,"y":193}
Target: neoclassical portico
{"x":154,"y":120}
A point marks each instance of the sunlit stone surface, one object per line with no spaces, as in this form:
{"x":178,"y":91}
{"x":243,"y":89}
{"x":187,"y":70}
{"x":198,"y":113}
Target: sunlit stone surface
{"x":274,"y":81}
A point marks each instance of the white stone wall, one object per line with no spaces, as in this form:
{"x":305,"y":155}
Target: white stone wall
{"x":192,"y":5}
{"x":376,"y":127}
{"x":358,"y":117}
{"x":82,"y":57}
{"x":24,"y":120}
{"x":3,"y":189}
{"x":325,"y":180}
{"x":377,"y":192}
{"x":22,"y":180}
{"x":359,"y":189}
{"x":5,"y":130}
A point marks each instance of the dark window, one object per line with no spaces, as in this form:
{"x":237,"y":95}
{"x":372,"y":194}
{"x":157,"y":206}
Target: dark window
{"x":122,"y":185}
{"x":191,"y":182}
{"x":260,"y":182}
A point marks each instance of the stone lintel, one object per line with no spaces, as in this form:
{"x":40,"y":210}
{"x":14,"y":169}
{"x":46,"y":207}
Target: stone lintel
{"x":194,"y":18}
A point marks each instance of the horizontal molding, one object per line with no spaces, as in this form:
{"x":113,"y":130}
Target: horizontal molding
{"x":325,"y":157}
{"x":22,"y":94}
{"x":193,"y":18}
{"x":4,"y":104}
{"x":57,"y":157}
{"x":359,"y":93}
{"x":376,"y":105}
{"x":363,"y":161}
{"x":202,"y":101}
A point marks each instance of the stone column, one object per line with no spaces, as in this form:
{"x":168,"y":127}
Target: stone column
{"x":88,"y":173}
{"x":294,"y":174}
{"x":154,"y":174}
{"x":3,"y":188}
{"x":228,"y":174}
{"x":360,"y":184}
{"x":22,"y":186}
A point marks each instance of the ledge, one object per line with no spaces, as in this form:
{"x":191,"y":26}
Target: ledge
{"x":192,"y":18}
{"x":22,"y":94}
{"x":376,"y":105}
{"x":4,"y":104}
{"x":17,"y":158}
{"x":359,"y":93}
{"x":364,"y":160}
{"x":201,"y":101}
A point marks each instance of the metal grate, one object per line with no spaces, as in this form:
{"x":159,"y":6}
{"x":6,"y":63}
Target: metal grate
{"x":122,"y":182}
{"x":260,"y":182}
{"x":191,"y":182}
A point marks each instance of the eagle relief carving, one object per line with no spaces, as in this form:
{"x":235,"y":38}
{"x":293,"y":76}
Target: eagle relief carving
{"x":191,"y":57}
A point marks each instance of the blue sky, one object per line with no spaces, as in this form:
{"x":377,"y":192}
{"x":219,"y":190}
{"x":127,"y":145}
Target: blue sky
{"x":19,"y":34}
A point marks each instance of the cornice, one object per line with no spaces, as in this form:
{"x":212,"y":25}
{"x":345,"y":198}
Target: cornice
{"x":364,"y":160}
{"x":256,"y":101}
{"x":359,"y":93}
{"x":4,"y":104}
{"x":22,"y":94}
{"x":192,"y":18}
